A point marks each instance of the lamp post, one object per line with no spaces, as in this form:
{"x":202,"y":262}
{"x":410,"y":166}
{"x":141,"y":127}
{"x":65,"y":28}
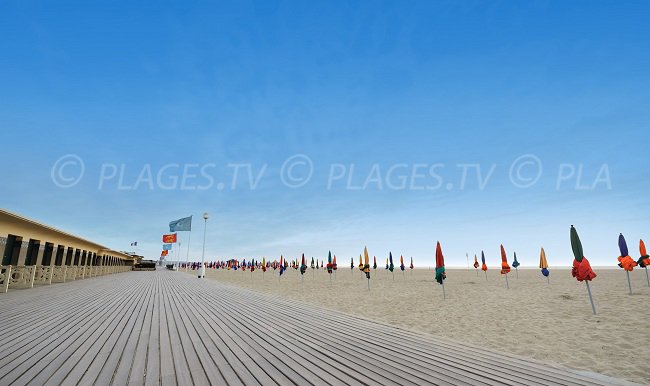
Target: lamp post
{"x":205,"y":227}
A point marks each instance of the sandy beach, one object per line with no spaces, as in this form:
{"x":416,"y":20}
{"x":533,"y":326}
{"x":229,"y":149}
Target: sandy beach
{"x":547,"y":322}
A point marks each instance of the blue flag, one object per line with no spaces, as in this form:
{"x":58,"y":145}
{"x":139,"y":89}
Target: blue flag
{"x":181,"y":225}
{"x":167,"y":247}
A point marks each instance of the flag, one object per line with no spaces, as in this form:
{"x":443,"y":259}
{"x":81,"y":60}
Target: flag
{"x":164,"y":253}
{"x":484,"y":266}
{"x":401,"y":263}
{"x":440,"y":265}
{"x":624,"y":260}
{"x":181,"y":225}
{"x":543,"y":264}
{"x":475,"y":262}
{"x":391,"y":267}
{"x":171,"y":238}
{"x":505,"y":268}
{"x":167,"y":247}
{"x":581,"y":268}
{"x":644,"y":260}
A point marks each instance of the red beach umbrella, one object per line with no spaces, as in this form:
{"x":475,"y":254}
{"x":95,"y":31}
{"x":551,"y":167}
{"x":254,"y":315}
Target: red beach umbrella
{"x":581,"y":268}
{"x":505,"y":268}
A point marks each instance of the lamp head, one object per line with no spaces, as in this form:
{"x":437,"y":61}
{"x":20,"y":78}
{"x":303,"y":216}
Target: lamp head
{"x":205,"y":216}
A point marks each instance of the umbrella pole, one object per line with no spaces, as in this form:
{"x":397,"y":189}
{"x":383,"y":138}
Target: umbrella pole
{"x":517,"y":272}
{"x":444,"y":295}
{"x":629,"y":283}
{"x":591,"y":299}
{"x":368,"y":284}
{"x":393,"y":276}
{"x":403,"y":276}
{"x":646,"y":276}
{"x":330,"y":279}
{"x":548,"y":280}
{"x":507,"y":285}
{"x":477,"y":273}
{"x":485,"y":275}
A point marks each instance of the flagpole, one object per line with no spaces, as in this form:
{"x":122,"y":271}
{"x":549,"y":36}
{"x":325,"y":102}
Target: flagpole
{"x":187,"y":256}
{"x":178,"y":253}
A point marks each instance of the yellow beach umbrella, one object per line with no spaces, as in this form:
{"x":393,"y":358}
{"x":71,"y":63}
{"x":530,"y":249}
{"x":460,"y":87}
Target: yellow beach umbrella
{"x":543,"y":264}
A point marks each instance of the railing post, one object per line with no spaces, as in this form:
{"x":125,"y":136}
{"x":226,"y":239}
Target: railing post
{"x":7,"y":278}
{"x":31,"y":284}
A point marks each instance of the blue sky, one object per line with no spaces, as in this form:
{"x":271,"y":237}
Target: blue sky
{"x":369,"y":84}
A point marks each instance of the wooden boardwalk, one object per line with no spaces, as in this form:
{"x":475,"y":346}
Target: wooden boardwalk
{"x":169,"y":328}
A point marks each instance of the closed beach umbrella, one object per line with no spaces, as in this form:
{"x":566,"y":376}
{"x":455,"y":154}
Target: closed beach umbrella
{"x":505,"y":268}
{"x":483,"y":266}
{"x":543,"y":264}
{"x":401,"y":263}
{"x":366,"y":265}
{"x":329,"y":263}
{"x":263,"y":266}
{"x":411,"y":266}
{"x":440,"y":269}
{"x":360,"y":263}
{"x":391,"y":267}
{"x":334,"y":265}
{"x":625,"y":261}
{"x":303,"y":266}
{"x":581,"y":268}
{"x":476,"y":265}
{"x":352,"y":263}
{"x":312,"y":263}
{"x":644,"y":260}
{"x":281,"y":266}
{"x":515,"y":264}
{"x":387,"y":263}
{"x":374,"y":262}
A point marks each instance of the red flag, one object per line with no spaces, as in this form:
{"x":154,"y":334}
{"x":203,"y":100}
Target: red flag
{"x":169,"y":239}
